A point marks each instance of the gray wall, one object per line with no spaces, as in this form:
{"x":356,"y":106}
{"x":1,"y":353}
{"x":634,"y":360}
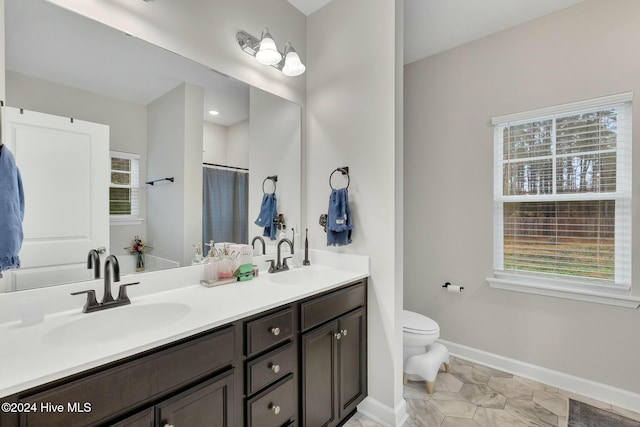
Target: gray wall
{"x":351,"y":122}
{"x":214,"y":143}
{"x":226,"y":145}
{"x":585,"y":51}
{"x":238,"y":144}
{"x":274,"y":140}
{"x":192,"y":178}
{"x":175,"y":128}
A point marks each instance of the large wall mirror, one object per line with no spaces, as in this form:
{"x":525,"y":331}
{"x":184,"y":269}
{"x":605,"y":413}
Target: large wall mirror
{"x":154,"y":107}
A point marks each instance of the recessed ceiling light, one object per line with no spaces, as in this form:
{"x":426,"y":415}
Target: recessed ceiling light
{"x":213,"y":112}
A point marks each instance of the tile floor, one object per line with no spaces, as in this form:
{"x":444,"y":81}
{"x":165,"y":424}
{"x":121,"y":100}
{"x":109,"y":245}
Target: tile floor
{"x":474,"y":395}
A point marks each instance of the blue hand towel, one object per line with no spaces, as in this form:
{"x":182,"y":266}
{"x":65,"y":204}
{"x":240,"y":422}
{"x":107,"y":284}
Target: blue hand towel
{"x":11,"y":211}
{"x":339,"y":221}
{"x":268,"y":212}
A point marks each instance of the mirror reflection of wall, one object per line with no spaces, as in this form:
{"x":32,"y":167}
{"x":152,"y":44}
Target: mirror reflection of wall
{"x":122,"y":84}
{"x":275,"y":150}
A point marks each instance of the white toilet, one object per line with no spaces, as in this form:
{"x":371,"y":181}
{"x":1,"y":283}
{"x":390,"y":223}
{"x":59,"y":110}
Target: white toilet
{"x":422,"y":357}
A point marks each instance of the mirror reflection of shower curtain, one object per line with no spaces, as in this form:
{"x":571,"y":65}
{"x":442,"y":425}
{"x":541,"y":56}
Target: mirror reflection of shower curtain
{"x":225,"y":200}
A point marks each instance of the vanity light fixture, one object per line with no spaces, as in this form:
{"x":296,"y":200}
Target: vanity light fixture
{"x":266,"y":52}
{"x":213,"y":112}
{"x":292,"y":65}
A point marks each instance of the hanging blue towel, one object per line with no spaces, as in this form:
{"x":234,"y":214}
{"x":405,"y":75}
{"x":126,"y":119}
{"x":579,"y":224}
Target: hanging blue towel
{"x":11,"y":211}
{"x":339,"y":221}
{"x":268,"y":212}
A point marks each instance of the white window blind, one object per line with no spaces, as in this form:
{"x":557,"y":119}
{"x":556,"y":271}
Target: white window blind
{"x":124,"y":187}
{"x":562,"y":192}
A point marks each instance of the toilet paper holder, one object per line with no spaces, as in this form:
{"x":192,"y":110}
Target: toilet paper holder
{"x":446,"y":285}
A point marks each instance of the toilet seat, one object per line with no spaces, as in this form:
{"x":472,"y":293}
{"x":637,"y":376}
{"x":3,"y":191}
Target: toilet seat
{"x":414,"y":323}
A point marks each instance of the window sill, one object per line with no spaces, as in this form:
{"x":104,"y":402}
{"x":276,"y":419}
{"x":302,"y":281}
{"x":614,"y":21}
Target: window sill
{"x":126,"y":221}
{"x":610,"y":297}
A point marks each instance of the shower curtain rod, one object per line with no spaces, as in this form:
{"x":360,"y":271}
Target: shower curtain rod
{"x":225,"y":166}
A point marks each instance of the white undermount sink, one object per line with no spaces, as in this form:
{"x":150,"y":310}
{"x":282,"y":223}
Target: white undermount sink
{"x":115,"y":323}
{"x":301,"y":276}
{"x":294,"y":277}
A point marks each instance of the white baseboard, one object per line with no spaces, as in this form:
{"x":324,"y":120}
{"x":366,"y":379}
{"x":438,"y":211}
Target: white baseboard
{"x":383,"y":414}
{"x":598,"y":391}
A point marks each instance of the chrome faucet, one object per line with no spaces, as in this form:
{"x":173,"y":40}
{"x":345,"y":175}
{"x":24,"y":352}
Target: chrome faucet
{"x":93,"y":261}
{"x":281,"y":265}
{"x":110,"y":265}
{"x":253,"y":244}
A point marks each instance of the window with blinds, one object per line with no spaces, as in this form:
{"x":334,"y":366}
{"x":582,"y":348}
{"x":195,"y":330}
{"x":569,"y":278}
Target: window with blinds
{"x":562,"y":192}
{"x":123,"y":190}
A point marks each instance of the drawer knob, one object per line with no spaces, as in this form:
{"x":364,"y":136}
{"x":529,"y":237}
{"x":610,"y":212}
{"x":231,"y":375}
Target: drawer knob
{"x":338,"y":335}
{"x":274,"y":408}
{"x":344,"y":332}
{"x":275,"y":368}
{"x":275,"y":331}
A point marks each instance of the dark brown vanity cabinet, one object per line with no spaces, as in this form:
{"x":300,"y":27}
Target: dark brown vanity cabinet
{"x":333,"y":355}
{"x":270,"y":360}
{"x":304,"y":363}
{"x":192,"y":376}
{"x":211,"y":401}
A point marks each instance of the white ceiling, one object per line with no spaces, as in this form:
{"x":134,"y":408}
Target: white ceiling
{"x":308,"y":6}
{"x":48,"y":42}
{"x":433,"y":26}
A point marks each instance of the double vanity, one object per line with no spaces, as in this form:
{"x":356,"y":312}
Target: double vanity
{"x":284,"y":349}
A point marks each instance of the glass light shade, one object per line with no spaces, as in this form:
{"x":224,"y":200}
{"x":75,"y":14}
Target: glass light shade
{"x":292,"y":64}
{"x":268,"y":53}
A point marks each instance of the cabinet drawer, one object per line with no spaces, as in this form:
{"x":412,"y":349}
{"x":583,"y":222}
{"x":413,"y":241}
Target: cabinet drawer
{"x":267,"y":331}
{"x":327,"y":307}
{"x":117,"y":389}
{"x":269,"y":368}
{"x":274,"y":407}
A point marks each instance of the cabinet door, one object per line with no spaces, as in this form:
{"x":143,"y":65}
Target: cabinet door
{"x":352,"y":359}
{"x":319,"y":376}
{"x":209,"y":404}
{"x":141,"y":419}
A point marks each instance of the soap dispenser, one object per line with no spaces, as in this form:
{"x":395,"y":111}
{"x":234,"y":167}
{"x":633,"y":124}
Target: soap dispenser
{"x":225,"y":267}
{"x":197,"y":256}
{"x":212,"y":262}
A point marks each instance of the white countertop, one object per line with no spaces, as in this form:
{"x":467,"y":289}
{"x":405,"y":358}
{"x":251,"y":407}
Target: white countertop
{"x":28,"y":357}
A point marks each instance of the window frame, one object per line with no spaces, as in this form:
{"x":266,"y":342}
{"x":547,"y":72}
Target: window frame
{"x":617,"y":292}
{"x":134,"y":185}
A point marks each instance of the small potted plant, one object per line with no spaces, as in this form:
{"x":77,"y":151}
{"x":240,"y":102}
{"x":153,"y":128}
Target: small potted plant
{"x":138,"y":247}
